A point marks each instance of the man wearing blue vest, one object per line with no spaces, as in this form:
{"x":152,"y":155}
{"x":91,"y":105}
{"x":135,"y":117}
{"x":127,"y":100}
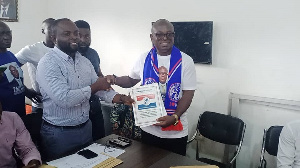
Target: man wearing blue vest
{"x":171,"y":133}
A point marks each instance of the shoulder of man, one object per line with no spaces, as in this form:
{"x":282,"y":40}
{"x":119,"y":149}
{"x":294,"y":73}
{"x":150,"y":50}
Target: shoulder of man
{"x":29,"y":48}
{"x":92,"y":51}
{"x":7,"y":115}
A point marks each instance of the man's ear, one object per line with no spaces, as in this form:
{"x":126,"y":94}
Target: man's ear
{"x":43,"y":31}
{"x":53,"y":38}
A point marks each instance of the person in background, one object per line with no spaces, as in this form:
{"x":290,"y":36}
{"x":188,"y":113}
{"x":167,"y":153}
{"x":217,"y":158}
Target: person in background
{"x":16,"y":138}
{"x":96,"y":115}
{"x":67,"y":80}
{"x":288,"y":155}
{"x":122,"y":120}
{"x":171,"y":132}
{"x":31,"y":54}
{"x":12,"y":96}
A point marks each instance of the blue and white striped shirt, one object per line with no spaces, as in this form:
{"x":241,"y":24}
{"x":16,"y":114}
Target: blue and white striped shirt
{"x":65,"y":86}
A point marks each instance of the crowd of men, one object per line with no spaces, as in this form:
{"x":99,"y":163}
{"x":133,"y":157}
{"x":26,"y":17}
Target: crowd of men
{"x":67,"y":85}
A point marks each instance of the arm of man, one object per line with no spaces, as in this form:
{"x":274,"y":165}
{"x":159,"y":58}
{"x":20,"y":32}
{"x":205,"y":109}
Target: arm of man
{"x":122,"y":81}
{"x":53,"y":82}
{"x":286,"y":149}
{"x":24,"y":55}
{"x":33,"y":95}
{"x":100,"y":74}
{"x":183,"y":104}
{"x":24,"y":146}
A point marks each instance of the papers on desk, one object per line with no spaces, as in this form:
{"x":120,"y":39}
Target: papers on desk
{"x":148,"y":104}
{"x":78,"y":161}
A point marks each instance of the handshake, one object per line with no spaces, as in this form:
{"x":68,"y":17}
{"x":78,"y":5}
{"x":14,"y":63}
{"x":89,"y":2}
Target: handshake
{"x":104,"y":84}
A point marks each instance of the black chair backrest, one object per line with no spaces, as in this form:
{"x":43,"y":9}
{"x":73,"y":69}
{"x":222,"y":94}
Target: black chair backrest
{"x":272,"y":139}
{"x":221,"y":128}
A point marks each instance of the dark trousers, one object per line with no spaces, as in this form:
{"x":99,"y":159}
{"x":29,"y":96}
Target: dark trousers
{"x":57,"y":140}
{"x":176,"y":145}
{"x":96,"y":117}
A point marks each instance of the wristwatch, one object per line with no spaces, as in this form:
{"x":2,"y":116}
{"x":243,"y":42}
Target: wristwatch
{"x":176,"y":119}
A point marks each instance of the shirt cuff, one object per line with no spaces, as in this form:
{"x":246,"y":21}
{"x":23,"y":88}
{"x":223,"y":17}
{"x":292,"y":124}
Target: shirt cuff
{"x":28,"y":159}
{"x":87,"y":91}
{"x":107,"y":96}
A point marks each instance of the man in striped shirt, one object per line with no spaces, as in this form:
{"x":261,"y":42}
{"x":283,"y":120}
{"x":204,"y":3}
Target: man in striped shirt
{"x":67,"y":80}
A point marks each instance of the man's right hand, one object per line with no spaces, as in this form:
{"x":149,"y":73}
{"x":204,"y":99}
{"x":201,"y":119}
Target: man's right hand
{"x":100,"y":84}
{"x":111,"y":79}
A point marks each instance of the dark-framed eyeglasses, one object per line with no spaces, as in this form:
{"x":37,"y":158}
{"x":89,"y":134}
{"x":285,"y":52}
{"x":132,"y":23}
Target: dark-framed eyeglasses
{"x":162,"y":35}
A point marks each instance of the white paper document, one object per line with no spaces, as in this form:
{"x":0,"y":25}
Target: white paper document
{"x":78,"y":161}
{"x":148,"y":104}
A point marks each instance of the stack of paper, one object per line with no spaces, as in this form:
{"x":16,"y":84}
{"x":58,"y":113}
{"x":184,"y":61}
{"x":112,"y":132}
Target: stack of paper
{"x":148,"y":105}
{"x":78,"y":161}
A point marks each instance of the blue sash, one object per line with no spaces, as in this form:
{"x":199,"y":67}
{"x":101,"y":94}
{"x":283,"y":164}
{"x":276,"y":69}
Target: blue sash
{"x":150,"y":75}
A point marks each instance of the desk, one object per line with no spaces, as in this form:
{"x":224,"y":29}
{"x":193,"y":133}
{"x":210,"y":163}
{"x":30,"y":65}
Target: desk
{"x":139,"y":155}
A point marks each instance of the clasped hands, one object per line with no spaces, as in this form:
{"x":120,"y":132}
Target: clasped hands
{"x":103,"y":83}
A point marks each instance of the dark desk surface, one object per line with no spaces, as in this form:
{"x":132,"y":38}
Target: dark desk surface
{"x":139,"y":155}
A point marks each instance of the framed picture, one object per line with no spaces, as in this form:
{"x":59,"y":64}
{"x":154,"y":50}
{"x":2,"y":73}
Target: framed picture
{"x":9,"y":10}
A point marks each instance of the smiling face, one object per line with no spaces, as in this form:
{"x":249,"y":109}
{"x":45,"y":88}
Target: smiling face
{"x":14,"y":71}
{"x":163,"y":74}
{"x":5,"y":37}
{"x":85,"y":39}
{"x":162,"y":37}
{"x":67,"y":37}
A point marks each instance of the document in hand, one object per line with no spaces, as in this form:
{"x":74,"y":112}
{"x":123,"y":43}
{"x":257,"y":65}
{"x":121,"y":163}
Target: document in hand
{"x":148,"y":104}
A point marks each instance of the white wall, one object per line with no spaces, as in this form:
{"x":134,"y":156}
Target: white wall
{"x":255,"y":43}
{"x":27,"y":30}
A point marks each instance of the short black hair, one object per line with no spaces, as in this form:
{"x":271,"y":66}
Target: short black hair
{"x":56,"y":22}
{"x":49,"y":21}
{"x":82,"y":24}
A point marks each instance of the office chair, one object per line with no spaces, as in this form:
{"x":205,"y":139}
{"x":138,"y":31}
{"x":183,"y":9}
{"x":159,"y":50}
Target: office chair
{"x":224,"y":129}
{"x":270,"y":143}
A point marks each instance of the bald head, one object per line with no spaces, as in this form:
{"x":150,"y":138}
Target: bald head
{"x":2,"y":24}
{"x":162,"y":36}
{"x":162,"y":22}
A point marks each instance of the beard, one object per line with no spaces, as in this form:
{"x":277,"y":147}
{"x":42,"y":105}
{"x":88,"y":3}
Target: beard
{"x":83,"y":47}
{"x":67,"y":47}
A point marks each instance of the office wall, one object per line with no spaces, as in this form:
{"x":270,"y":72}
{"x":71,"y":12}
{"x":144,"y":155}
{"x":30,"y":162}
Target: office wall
{"x":27,"y":30}
{"x":255,"y":43}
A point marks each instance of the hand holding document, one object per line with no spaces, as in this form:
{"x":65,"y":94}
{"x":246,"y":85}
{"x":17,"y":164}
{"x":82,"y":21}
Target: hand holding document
{"x":148,"y":105}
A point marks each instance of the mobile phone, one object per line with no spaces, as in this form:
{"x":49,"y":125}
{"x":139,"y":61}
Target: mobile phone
{"x":87,"y":153}
{"x":119,"y":143}
{"x":2,"y":69}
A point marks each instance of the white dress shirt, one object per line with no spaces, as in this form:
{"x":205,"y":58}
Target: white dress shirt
{"x":65,"y":86}
{"x":288,"y":155}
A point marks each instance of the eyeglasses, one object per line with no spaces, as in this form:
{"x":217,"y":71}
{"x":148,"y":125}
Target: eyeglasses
{"x":162,"y":35}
